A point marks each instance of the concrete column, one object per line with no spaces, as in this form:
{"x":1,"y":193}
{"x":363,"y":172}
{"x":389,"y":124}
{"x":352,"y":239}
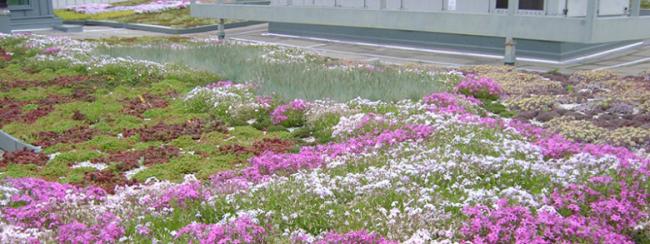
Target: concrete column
{"x":635,"y":8}
{"x":546,"y":8}
{"x":382,"y":4}
{"x":510,"y":57}
{"x":5,"y":21}
{"x":221,"y":33}
{"x":592,"y":9}
{"x":513,"y":6}
{"x":592,"y":14}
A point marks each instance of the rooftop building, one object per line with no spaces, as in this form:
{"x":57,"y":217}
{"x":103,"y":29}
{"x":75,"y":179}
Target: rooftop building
{"x":26,"y":14}
{"x":545,"y":30}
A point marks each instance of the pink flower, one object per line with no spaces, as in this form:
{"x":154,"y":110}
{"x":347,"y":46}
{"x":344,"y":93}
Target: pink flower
{"x":444,"y":103}
{"x":37,"y":201}
{"x":264,"y":101}
{"x":51,"y":50}
{"x":181,"y":194}
{"x":479,"y":87}
{"x":355,"y":237}
{"x":107,"y":230}
{"x":280,"y":115}
{"x":241,"y":230}
{"x":219,"y":84}
{"x":263,"y":166}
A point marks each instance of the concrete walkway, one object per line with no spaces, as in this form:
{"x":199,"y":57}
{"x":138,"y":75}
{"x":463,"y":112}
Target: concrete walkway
{"x":630,"y":62}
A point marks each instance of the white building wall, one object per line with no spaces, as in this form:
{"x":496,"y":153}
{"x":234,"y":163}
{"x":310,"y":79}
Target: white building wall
{"x":576,"y":8}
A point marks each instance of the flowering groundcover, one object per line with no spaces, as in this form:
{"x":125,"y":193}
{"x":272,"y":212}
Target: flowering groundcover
{"x":437,"y":169}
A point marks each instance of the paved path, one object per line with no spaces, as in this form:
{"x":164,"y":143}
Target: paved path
{"x":631,"y":62}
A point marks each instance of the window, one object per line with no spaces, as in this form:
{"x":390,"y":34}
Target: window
{"x":523,"y":4}
{"x":18,"y":2}
{"x":502,"y":4}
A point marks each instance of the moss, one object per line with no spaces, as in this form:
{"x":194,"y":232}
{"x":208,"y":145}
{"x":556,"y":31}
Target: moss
{"x":246,"y":132}
{"x":167,"y":86}
{"x":53,"y":122}
{"x":145,"y":145}
{"x":19,"y":171}
{"x":30,"y":107}
{"x":107,"y":143}
{"x":118,"y":123}
{"x":497,"y":108}
{"x":76,"y":175}
{"x":93,"y":111}
{"x":214,"y":138}
{"x":175,"y":113}
{"x":35,"y":93}
{"x":179,"y":18}
{"x":188,"y":164}
{"x":71,"y":15}
{"x":56,"y":169}
{"x":244,"y":135}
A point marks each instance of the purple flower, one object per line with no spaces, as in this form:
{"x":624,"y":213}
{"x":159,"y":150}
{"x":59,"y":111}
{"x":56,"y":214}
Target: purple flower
{"x":107,"y":230}
{"x":151,"y":7}
{"x":51,"y":50}
{"x":37,"y":201}
{"x":280,"y":114}
{"x":355,"y":237}
{"x":479,"y":87}
{"x":240,"y":230}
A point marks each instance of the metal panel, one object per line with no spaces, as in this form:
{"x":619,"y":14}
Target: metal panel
{"x":472,"y":6}
{"x":545,"y":28}
{"x":614,"y":7}
{"x":621,"y":28}
{"x":578,"y":8}
{"x":423,"y":5}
